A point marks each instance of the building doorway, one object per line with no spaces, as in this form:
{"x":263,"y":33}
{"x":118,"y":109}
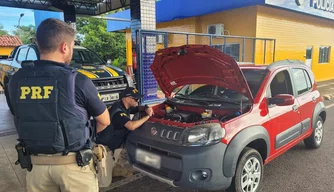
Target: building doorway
{"x":308,"y":56}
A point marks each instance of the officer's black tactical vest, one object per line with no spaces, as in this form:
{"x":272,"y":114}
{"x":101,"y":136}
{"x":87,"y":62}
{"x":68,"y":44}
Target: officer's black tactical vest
{"x":47,"y":118}
{"x":111,"y":136}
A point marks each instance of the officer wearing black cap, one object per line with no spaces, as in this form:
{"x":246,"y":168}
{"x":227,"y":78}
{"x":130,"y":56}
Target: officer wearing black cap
{"x":52,"y":105}
{"x":115,"y":134}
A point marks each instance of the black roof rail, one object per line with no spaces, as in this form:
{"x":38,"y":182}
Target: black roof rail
{"x":286,"y":62}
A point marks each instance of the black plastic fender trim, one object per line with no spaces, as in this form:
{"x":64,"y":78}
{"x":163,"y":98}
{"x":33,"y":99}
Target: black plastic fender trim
{"x":320,"y":107}
{"x":238,"y":143}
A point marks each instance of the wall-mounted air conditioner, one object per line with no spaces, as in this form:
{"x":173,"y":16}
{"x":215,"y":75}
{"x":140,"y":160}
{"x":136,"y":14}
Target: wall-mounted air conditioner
{"x":160,"y":38}
{"x":215,"y":29}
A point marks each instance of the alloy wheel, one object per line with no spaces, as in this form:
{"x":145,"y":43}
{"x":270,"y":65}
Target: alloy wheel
{"x":318,"y":132}
{"x":251,"y":175}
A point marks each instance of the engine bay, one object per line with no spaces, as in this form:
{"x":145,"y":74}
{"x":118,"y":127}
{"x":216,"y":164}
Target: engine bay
{"x":187,"y":114}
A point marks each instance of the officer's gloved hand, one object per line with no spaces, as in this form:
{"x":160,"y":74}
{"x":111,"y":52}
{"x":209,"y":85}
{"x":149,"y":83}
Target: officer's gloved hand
{"x":149,"y":111}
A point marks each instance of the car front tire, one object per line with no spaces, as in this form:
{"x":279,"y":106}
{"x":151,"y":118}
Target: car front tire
{"x":249,"y":173}
{"x":315,"y":140}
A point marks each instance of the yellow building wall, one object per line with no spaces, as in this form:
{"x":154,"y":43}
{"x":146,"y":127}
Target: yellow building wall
{"x":238,"y":22}
{"x":6,"y":50}
{"x":181,"y":25}
{"x":294,"y":32}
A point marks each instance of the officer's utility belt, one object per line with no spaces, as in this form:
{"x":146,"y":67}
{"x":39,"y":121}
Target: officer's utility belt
{"x":81,"y":158}
{"x":54,"y":159}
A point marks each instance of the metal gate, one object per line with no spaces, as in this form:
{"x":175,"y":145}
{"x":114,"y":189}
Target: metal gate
{"x":242,"y":49}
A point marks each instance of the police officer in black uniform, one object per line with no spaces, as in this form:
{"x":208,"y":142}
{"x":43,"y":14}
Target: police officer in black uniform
{"x":121,"y":124}
{"x":52,"y":106}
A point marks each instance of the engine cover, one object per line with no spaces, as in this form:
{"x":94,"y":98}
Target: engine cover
{"x":183,"y":116}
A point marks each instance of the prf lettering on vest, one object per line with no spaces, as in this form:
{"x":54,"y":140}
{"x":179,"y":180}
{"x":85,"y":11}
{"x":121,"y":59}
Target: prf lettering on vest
{"x":36,"y":92}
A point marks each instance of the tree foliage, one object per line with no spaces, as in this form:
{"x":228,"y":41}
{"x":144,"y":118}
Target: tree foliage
{"x":2,"y":31}
{"x":108,"y":45}
{"x":25,"y":33}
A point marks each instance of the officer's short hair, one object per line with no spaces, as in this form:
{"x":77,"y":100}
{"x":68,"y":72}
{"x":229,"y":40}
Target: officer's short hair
{"x":51,"y":32}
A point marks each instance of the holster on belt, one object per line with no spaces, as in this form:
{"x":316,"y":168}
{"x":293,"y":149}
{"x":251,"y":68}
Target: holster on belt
{"x":100,"y":158}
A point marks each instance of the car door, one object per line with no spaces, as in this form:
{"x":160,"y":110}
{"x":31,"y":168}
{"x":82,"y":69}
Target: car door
{"x":284,"y":120}
{"x":304,"y":95}
{"x":20,"y":56}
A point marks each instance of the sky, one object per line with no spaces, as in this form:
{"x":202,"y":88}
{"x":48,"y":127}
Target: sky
{"x":9,"y":17}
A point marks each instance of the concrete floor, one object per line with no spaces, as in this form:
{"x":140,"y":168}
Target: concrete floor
{"x":12,"y":177}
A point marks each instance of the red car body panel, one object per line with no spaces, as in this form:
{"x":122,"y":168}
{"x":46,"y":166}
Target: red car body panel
{"x":276,"y":120}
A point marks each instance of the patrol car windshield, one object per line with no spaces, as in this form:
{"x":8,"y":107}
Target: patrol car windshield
{"x":85,"y":57}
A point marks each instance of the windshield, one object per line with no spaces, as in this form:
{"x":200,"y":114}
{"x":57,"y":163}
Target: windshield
{"x":254,"y":78}
{"x":209,"y":93}
{"x":85,"y":57}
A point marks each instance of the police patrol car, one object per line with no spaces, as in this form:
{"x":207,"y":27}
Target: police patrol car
{"x":108,"y":79}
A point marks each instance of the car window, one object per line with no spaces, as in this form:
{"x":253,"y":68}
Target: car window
{"x":301,"y":80}
{"x":22,"y":54}
{"x":12,"y":54}
{"x":85,"y":57}
{"x":31,"y":55}
{"x":308,"y":80}
{"x":281,"y":84}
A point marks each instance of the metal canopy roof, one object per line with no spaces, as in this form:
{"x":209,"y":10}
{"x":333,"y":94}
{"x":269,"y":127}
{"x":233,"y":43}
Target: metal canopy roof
{"x":82,"y":7}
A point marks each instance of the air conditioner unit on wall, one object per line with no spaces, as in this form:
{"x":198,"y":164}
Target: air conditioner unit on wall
{"x":160,"y":38}
{"x":215,"y":29}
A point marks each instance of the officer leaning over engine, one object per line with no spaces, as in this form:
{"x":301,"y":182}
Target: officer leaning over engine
{"x":52,"y":106}
{"x":121,"y":124}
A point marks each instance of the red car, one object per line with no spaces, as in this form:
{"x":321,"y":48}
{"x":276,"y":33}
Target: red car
{"x":225,"y":121}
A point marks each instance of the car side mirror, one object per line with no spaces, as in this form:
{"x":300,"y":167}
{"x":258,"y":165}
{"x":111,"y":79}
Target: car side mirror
{"x":282,"y":100}
{"x":27,"y":63}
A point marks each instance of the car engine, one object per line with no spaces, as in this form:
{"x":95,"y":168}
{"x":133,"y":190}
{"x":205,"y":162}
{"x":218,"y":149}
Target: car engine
{"x":182,"y":116}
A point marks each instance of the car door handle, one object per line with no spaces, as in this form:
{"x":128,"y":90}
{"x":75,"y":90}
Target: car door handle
{"x":295,"y":108}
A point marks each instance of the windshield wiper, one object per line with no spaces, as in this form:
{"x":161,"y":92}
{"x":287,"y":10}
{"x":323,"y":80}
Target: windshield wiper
{"x":180,"y":95}
{"x":237,"y":102}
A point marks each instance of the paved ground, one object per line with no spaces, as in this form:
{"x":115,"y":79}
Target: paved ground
{"x":326,"y":88}
{"x":298,"y":170}
{"x":6,"y":120}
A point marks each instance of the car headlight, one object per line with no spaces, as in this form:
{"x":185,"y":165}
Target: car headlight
{"x":201,"y":135}
{"x":129,"y":79}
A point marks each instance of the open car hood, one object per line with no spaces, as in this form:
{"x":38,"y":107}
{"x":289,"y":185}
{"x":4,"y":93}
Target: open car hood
{"x":197,"y":64}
